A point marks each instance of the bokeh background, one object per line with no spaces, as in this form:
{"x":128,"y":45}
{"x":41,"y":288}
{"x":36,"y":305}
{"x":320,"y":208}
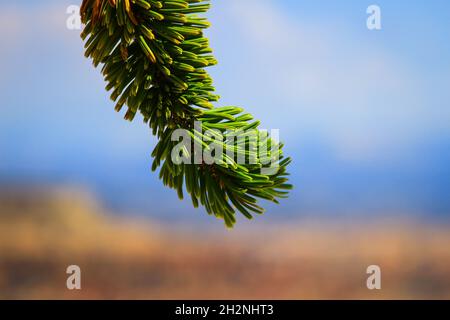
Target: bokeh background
{"x":365,"y":115}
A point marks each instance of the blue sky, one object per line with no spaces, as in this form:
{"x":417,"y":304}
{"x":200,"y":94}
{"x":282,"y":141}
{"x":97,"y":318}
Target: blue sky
{"x":365,"y":114}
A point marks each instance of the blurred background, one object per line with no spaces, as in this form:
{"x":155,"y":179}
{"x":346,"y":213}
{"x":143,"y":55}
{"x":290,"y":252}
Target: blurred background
{"x":365,"y":115}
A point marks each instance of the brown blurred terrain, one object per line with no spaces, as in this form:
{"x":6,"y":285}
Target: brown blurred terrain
{"x":43,"y":232}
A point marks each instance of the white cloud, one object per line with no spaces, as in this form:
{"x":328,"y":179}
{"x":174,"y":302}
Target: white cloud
{"x":360,"y":96}
{"x":21,"y":24}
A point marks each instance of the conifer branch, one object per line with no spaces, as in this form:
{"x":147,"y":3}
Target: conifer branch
{"x":153,"y":56}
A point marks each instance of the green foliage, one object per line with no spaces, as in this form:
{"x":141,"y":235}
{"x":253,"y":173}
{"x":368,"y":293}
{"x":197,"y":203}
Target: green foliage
{"x":153,"y":56}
